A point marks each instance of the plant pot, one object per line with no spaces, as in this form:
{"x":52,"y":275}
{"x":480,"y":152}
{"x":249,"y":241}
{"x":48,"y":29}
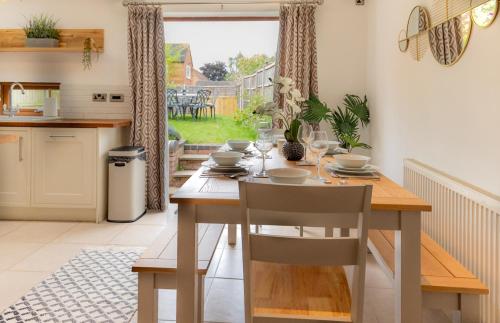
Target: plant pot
{"x":42,"y":42}
{"x":293,"y":150}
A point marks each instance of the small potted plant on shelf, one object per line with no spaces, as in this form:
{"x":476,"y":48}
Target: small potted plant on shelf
{"x":41,"y":32}
{"x":290,"y":116}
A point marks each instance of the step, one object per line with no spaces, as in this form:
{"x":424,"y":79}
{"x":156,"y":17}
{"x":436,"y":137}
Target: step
{"x":180,"y":177}
{"x":201,"y":157}
{"x":192,"y":161}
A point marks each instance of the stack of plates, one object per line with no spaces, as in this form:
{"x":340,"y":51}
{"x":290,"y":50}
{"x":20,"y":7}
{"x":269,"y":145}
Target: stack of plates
{"x":363,"y":171}
{"x":213,"y":167}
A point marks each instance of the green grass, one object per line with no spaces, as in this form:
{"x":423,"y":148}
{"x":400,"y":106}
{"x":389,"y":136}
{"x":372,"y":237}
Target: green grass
{"x":211,"y":131}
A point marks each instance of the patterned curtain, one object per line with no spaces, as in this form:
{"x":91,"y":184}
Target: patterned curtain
{"x":446,"y":41}
{"x":146,"y":55}
{"x":297,"y":57}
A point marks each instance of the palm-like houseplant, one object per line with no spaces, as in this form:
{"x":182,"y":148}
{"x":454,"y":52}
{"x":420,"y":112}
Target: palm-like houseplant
{"x":345,"y":121}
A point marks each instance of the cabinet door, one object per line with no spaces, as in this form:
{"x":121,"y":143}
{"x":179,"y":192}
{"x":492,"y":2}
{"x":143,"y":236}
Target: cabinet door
{"x":64,"y":167}
{"x":15,"y":167}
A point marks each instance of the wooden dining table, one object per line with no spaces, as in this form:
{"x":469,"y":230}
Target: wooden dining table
{"x":216,"y":200}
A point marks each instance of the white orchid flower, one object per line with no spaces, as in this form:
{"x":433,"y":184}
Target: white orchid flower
{"x":294,"y":106}
{"x":296,"y":95}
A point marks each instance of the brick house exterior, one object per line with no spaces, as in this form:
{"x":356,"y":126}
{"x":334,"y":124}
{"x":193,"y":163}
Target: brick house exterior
{"x":181,"y":70}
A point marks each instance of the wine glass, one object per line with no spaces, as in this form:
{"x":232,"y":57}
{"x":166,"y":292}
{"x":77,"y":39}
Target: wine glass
{"x":264,"y":144}
{"x":319,"y":147}
{"x":305,"y":137}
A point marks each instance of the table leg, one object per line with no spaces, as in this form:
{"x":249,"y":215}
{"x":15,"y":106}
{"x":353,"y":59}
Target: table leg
{"x":187,"y":267}
{"x":147,"y":306}
{"x":231,"y":234}
{"x":407,"y":276}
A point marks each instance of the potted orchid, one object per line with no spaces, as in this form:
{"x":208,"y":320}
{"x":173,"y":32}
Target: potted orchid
{"x":290,"y":116}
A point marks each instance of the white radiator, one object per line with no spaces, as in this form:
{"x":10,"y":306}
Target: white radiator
{"x":466,"y":222}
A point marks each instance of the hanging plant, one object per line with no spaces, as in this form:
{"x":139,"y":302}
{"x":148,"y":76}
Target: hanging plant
{"x":89,"y":46}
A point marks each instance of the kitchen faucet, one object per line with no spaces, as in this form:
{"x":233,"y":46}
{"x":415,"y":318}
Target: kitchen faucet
{"x":12,"y":111}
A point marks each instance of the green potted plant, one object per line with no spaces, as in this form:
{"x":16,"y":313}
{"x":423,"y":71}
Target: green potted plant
{"x":41,"y":32}
{"x":345,"y":122}
{"x":290,"y":116}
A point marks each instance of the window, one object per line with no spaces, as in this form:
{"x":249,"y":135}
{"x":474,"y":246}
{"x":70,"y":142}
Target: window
{"x":188,"y":72}
{"x":33,"y":100}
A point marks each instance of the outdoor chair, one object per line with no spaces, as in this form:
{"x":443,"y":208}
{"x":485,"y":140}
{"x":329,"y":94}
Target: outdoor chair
{"x":173,"y":105}
{"x":199,"y":105}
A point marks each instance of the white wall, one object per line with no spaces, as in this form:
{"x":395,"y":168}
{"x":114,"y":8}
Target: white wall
{"x":341,"y":33}
{"x":109,"y":72}
{"x":446,"y":117}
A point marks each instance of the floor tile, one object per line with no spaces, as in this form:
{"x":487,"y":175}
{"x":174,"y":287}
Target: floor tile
{"x":225,"y":301}
{"x":156,"y":218}
{"x":230,"y":264}
{"x":91,"y":233}
{"x":49,"y":258}
{"x":37,"y":232}
{"x":9,"y":226}
{"x":375,"y":276}
{"x":137,"y":235}
{"x":13,"y":252}
{"x":17,"y":284}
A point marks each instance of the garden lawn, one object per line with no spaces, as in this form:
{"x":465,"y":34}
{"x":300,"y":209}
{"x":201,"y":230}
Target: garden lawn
{"x":211,"y":131}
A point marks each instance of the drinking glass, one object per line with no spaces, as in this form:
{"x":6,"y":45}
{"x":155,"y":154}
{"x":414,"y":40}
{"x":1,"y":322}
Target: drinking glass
{"x":319,"y":147}
{"x":264,"y":144}
{"x":305,"y":137}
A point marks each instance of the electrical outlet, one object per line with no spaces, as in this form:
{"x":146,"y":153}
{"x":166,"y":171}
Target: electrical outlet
{"x":113,"y":97}
{"x":99,"y":97}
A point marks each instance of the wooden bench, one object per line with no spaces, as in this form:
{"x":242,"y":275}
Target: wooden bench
{"x":446,"y":284}
{"x":157,"y":268}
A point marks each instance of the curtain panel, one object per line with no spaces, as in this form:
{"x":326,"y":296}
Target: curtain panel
{"x":146,"y":55}
{"x":297,"y":56}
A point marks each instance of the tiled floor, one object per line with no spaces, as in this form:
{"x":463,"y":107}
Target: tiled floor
{"x":29,"y":251}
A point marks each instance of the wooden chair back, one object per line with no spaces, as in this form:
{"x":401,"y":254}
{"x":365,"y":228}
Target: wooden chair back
{"x":291,"y":205}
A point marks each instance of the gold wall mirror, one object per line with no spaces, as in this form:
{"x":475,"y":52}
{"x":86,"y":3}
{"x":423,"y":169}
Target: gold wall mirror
{"x":449,"y":39}
{"x":403,"y":41}
{"x":415,"y":36}
{"x":417,"y":22}
{"x":485,"y":14}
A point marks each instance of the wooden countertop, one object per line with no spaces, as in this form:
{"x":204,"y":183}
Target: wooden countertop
{"x":69,"y":123}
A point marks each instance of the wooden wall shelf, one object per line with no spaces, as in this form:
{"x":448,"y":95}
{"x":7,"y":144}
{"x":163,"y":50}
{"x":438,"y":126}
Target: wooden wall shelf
{"x":71,"y":40}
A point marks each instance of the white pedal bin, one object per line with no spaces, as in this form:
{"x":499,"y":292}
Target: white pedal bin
{"x":127,"y":184}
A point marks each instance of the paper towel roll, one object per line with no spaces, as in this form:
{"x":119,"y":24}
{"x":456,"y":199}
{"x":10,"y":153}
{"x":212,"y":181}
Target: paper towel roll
{"x":50,"y":107}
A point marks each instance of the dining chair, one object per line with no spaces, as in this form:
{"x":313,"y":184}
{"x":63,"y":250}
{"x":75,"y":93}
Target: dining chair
{"x":289,"y":279}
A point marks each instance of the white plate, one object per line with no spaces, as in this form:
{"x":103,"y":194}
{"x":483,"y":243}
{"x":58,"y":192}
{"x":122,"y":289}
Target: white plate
{"x":359,"y":171}
{"x":366,"y":167}
{"x":288,"y":175}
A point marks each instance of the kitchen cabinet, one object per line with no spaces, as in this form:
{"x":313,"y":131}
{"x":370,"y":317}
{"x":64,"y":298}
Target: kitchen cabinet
{"x":56,"y":173}
{"x":15,"y":167}
{"x":64,"y":167}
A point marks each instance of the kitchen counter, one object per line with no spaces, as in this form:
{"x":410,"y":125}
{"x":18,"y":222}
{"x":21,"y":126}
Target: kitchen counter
{"x":68,"y":123}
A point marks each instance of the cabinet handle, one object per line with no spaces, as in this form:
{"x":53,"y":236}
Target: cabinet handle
{"x":62,"y":136}
{"x":21,"y":149}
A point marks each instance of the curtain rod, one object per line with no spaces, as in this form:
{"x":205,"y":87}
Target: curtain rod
{"x":222,"y":2}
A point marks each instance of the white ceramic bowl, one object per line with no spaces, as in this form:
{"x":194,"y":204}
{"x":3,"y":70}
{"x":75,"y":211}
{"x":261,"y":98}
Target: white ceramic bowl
{"x":288,"y":175}
{"x":332,"y":145}
{"x":226,"y":158}
{"x":352,"y":160}
{"x":238,"y":145}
